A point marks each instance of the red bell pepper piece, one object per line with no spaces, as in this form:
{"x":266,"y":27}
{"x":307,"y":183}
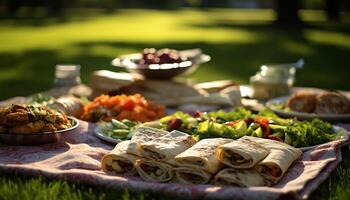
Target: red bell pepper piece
{"x":264,"y":124}
{"x":232,"y":123}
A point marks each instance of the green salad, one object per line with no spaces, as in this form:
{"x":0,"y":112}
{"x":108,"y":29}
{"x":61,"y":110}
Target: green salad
{"x":240,"y":122}
{"x":121,"y":130}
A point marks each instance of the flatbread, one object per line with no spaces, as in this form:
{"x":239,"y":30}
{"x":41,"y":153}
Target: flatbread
{"x":154,"y":171}
{"x":166,"y":147}
{"x":240,"y":178}
{"x":189,"y":175}
{"x":280,"y":158}
{"x":141,"y":135}
{"x":202,"y":155}
{"x":118,"y":161}
{"x":241,"y":154}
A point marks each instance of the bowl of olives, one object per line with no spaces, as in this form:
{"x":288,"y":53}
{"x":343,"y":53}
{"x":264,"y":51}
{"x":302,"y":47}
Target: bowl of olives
{"x":162,"y":63}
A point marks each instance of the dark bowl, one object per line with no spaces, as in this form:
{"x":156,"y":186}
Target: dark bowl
{"x":37,"y":138}
{"x":162,"y":71}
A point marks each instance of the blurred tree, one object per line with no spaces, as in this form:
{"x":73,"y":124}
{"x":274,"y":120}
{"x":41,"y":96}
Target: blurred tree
{"x":333,"y":9}
{"x":54,"y":6}
{"x":154,"y":4}
{"x":193,"y":3}
{"x":313,"y":4}
{"x":213,"y":3}
{"x":13,"y":6}
{"x":287,"y":12}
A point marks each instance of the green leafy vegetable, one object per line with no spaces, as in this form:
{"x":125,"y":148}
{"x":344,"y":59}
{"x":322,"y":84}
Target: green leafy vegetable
{"x":240,"y":122}
{"x":118,"y":129}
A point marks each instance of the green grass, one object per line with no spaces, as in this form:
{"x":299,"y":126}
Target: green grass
{"x":28,"y":188}
{"x":238,"y":41}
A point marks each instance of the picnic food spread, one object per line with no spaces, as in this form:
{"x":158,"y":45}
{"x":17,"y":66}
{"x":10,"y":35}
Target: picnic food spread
{"x":168,"y":131}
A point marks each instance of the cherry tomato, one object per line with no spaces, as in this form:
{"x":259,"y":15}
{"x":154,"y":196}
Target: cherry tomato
{"x":174,"y":124}
{"x":197,"y":114}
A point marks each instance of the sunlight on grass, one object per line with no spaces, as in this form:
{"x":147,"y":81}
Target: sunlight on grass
{"x":298,"y":48}
{"x":328,"y":38}
{"x":313,"y":15}
{"x":134,"y":26}
{"x":239,"y":41}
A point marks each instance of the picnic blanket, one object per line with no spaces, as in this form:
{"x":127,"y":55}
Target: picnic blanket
{"x":77,"y":159}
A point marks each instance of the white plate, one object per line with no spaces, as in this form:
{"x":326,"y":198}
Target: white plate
{"x":98,"y":133}
{"x":343,"y":137}
{"x":304,"y":116}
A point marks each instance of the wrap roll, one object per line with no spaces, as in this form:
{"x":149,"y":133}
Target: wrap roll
{"x":280,"y":158}
{"x":202,"y":155}
{"x":189,"y":175}
{"x":118,"y":161}
{"x":166,"y":147}
{"x":70,"y":105}
{"x":241,"y":154}
{"x":151,"y":170}
{"x":141,"y":135}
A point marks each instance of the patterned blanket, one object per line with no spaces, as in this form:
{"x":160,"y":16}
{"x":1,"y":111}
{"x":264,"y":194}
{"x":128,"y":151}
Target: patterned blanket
{"x":77,"y":159}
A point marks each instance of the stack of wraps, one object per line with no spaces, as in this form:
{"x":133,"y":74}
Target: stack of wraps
{"x":253,"y":161}
{"x":198,"y":163}
{"x":161,"y":156}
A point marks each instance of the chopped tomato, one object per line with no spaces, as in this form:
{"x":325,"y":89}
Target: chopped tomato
{"x":128,"y":104}
{"x":264,"y":124}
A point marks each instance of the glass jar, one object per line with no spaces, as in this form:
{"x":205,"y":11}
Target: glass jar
{"x":272,"y":81}
{"x":67,"y":75}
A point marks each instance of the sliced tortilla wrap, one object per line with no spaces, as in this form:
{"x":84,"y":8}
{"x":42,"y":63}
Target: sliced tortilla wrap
{"x":241,"y":154}
{"x":155,"y":171}
{"x":202,"y":155}
{"x":189,"y":175}
{"x":166,"y":147}
{"x":141,"y":135}
{"x":240,"y":178}
{"x":118,"y":161}
{"x":280,"y":158}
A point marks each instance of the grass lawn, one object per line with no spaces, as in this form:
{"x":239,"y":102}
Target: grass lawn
{"x":238,"y":41}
